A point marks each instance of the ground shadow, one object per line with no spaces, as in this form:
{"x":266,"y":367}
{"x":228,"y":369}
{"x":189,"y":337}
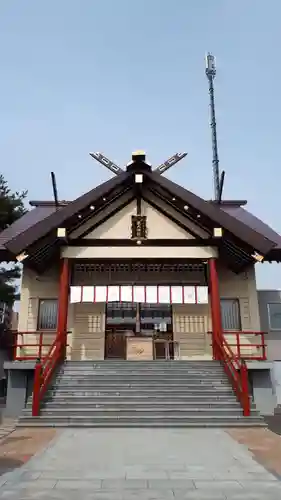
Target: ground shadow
{"x":274,"y":423}
{"x":9,"y":464}
{"x":13,"y":439}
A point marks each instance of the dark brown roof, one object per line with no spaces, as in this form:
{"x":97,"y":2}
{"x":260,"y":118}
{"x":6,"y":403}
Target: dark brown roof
{"x":43,"y":220}
{"x":252,"y":221}
{"x":232,"y":224}
{"x":55,"y":218}
{"x":48,"y":203}
{"x":27,"y":221}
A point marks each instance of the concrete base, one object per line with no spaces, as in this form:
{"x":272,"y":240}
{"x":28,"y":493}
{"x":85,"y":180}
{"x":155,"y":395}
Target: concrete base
{"x":261,"y":386}
{"x":20,"y":386}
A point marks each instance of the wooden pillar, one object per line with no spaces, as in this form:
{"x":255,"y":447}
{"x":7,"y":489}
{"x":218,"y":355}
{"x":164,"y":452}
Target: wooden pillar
{"x":63,"y":301}
{"x":215,"y":303}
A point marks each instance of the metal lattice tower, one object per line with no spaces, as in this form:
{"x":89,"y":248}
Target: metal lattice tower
{"x":211,"y":73}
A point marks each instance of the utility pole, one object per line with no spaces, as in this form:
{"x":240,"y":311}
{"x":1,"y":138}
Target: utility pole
{"x":211,"y":73}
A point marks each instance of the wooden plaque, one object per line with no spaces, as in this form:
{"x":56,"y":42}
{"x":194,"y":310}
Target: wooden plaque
{"x":139,"y":348}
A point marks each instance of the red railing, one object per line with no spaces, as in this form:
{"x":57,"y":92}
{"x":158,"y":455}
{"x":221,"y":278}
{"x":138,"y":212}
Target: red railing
{"x":254,"y":349}
{"x":233,"y":357}
{"x":45,"y":369}
{"x":236,"y":370}
{"x":37,"y":347}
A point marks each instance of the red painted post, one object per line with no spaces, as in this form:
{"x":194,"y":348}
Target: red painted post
{"x":15,"y":345}
{"x":63,"y":303}
{"x":238,"y":345}
{"x":40,"y":345}
{"x":245,"y":390}
{"x":215,"y":303}
{"x":36,"y":390}
{"x":263,"y":346}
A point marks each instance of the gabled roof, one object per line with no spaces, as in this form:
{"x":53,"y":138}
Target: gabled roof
{"x":56,"y":218}
{"x":213,"y":212}
{"x":36,"y":232}
{"x":252,"y":221}
{"x":28,"y":220}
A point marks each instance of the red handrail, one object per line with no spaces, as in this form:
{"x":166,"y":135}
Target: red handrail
{"x":236,"y":370}
{"x":241,"y":347}
{"x":45,"y":369}
{"x":41,"y":344}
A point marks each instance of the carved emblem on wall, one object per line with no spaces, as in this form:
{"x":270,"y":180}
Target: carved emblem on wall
{"x":139,"y":350}
{"x":139,"y":229}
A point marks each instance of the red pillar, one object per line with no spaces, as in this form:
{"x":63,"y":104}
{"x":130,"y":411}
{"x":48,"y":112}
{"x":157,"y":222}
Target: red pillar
{"x":63,"y":300}
{"x":215,"y":303}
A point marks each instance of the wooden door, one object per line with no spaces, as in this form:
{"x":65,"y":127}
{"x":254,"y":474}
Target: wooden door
{"x":115,"y":345}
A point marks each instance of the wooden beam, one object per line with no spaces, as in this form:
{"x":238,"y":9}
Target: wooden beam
{"x":192,"y":242}
{"x":182,"y":220}
{"x":103,"y":214}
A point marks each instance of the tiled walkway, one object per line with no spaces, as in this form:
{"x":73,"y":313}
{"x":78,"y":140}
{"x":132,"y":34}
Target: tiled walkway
{"x":7,"y":426}
{"x":144,"y":464}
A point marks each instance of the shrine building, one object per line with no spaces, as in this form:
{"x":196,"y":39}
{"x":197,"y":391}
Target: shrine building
{"x":139,"y":268}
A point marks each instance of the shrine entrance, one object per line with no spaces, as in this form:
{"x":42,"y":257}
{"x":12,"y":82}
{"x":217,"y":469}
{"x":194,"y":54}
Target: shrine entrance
{"x":127,"y":320}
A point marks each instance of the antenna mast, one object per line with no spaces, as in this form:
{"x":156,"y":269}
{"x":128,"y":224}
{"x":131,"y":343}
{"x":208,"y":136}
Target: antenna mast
{"x":211,"y":73}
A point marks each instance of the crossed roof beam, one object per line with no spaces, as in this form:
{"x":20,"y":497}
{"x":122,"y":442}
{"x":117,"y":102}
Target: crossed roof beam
{"x":110,"y":165}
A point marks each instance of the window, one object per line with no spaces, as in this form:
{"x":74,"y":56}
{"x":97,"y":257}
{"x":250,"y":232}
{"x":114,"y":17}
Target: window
{"x":274,"y":315}
{"x":121,"y":312}
{"x":47,"y":314}
{"x":230,"y":314}
{"x":155,"y":313}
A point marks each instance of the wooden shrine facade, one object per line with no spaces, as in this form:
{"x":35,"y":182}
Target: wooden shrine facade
{"x":138,"y":238}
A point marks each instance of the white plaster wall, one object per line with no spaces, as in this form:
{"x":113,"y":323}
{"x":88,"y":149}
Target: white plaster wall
{"x":86,"y":340}
{"x":138,"y":252}
{"x":119,"y":226}
{"x":190,"y":328}
{"x":34,"y":288}
{"x":242,"y":287}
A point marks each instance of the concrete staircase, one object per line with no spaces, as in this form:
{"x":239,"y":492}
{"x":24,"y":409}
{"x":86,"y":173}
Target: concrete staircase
{"x":140,"y":394}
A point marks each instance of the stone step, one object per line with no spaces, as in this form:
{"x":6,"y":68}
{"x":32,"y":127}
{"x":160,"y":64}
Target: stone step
{"x":137,"y":399}
{"x":195,"y":424}
{"x":162,"y":369}
{"x":137,"y":421}
{"x":136,"y":404}
{"x":140,"y":394}
{"x":114,"y":382}
{"x":143,"y":380}
{"x":127,"y":391}
{"x":184,"y":411}
{"x":208,"y":363}
{"x":150,"y":369}
{"x":144,"y":369}
{"x":142,"y":376}
{"x":77,"y":405}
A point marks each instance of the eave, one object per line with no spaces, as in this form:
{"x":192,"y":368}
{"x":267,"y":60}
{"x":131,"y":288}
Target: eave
{"x":193,"y":214}
{"x":66,"y":214}
{"x":213,"y":213}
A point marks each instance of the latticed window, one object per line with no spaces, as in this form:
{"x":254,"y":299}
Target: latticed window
{"x":230,"y":314}
{"x":121,"y":312}
{"x":47,"y":314}
{"x":155,"y":313}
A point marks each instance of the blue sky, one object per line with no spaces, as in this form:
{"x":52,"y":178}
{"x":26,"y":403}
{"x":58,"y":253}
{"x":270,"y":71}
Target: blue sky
{"x":120,"y":75}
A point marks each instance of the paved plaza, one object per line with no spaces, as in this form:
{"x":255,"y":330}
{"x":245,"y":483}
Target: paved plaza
{"x":145,"y":464}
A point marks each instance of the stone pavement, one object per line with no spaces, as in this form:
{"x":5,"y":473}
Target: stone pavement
{"x":144,"y":464}
{"x":22,"y":444}
{"x":263,"y":444}
{"x":7,"y":426}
